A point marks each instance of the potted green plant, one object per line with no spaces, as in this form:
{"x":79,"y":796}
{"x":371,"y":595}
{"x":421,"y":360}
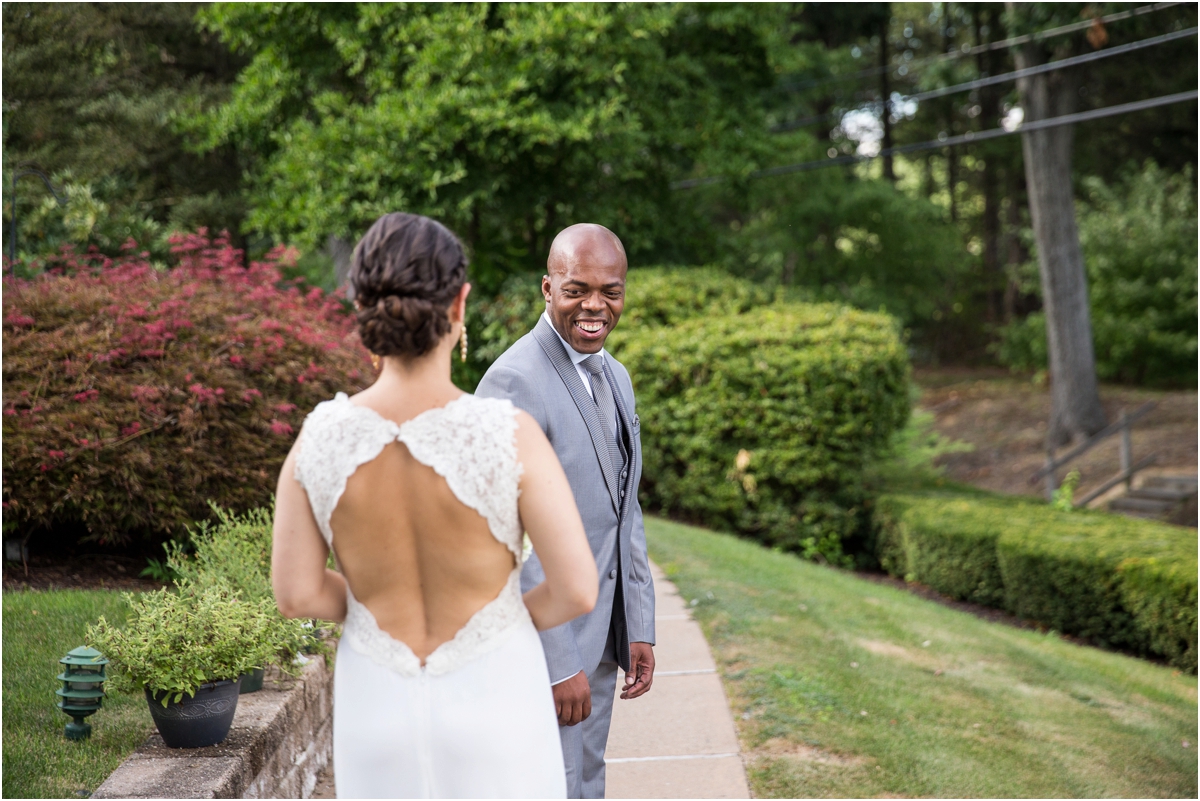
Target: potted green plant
{"x":186,"y":649}
{"x":237,"y":550}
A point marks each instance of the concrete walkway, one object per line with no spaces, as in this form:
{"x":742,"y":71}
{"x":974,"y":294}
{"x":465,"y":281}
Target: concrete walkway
{"x":678,"y":740}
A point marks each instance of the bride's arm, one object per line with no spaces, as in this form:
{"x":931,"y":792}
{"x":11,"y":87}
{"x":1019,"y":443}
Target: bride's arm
{"x":549,"y":516}
{"x":303,"y":586}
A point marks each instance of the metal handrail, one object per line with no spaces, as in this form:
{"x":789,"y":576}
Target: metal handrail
{"x":1123,"y":425}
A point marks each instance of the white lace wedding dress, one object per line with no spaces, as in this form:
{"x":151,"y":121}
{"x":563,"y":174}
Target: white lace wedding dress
{"x":477,"y":720}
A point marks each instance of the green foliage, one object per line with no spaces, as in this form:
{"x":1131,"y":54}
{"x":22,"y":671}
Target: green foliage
{"x":838,"y":238}
{"x":1064,"y":496}
{"x":909,"y":459}
{"x":91,"y":95}
{"x":1139,"y":244}
{"x":236,"y":551}
{"x":762,"y":422}
{"x":1161,"y":595}
{"x":159,"y":570}
{"x":1118,"y":581}
{"x":505,"y":121}
{"x":177,"y":641}
{"x":133,"y":396}
{"x":665,"y":296}
{"x":952,"y":549}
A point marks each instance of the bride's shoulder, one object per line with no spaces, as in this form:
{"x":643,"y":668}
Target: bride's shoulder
{"x":338,"y":406}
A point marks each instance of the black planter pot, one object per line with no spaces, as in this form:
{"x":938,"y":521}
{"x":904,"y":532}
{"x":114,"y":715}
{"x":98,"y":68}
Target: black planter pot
{"x":195,"y":722}
{"x":252,"y":682}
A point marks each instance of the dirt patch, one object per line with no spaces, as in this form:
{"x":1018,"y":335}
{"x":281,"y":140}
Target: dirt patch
{"x":778,"y":747}
{"x":1004,"y":417}
{"x":887,"y":649}
{"x":78,"y":572}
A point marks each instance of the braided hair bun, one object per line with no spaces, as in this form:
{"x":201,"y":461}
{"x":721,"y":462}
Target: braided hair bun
{"x":405,"y":272}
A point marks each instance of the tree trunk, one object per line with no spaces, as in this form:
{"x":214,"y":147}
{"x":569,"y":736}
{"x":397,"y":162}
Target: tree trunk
{"x":1075,"y":399}
{"x":885,"y":93}
{"x":1015,"y":255}
{"x":952,"y":174}
{"x":341,"y":252}
{"x":989,"y":102}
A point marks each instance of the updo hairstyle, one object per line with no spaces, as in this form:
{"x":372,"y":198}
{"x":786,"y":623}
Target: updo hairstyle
{"x":404,"y":272}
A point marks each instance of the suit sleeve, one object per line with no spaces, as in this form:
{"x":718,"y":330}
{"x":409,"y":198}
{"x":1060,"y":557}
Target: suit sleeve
{"x":640,"y":586}
{"x":562,"y":651}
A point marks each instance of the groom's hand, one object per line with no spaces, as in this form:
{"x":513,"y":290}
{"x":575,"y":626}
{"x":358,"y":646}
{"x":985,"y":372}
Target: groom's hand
{"x":573,"y":699}
{"x":640,"y":675}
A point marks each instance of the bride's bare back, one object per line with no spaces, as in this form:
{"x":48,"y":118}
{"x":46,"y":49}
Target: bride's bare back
{"x":413,"y":553}
{"x":421,"y":560}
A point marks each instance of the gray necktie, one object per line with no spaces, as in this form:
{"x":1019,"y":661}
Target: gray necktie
{"x":602,"y":394}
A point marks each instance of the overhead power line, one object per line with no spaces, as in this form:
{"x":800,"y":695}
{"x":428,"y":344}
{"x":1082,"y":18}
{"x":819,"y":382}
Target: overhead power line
{"x":967,"y":50}
{"x":967,"y":138}
{"x":979,"y":83}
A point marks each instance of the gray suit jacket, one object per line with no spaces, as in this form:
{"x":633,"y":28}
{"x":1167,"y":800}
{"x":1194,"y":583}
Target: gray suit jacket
{"x":537,"y":376}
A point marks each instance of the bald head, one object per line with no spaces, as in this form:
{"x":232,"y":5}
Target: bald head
{"x":585,"y":285}
{"x":584,"y":241}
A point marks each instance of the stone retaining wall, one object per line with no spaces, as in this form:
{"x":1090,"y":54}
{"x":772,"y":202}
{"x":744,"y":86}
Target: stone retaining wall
{"x":281,"y":740}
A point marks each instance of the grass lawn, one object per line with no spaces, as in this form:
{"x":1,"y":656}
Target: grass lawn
{"x":841,"y":687}
{"x":39,"y":762}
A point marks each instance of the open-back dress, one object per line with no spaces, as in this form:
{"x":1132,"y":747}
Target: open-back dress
{"x":477,"y":719}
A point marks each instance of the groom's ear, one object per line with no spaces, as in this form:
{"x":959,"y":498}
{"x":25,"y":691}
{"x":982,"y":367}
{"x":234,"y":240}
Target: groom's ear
{"x":546,"y":287}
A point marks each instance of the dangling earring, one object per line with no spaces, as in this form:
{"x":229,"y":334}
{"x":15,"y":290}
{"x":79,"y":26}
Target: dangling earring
{"x":375,"y":361}
{"x":462,"y":343}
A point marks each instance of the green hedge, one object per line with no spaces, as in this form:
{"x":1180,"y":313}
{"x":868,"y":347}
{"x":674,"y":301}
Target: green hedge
{"x":761,"y":422}
{"x":1118,"y":581}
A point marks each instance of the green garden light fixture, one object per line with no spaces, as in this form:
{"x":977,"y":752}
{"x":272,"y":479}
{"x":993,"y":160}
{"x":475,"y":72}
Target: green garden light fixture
{"x":82,"y":691}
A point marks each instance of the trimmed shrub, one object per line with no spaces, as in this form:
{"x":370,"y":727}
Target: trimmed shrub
{"x":1117,"y":581}
{"x":134,"y":395}
{"x":1161,"y":595}
{"x":761,"y":422}
{"x":955,"y":551}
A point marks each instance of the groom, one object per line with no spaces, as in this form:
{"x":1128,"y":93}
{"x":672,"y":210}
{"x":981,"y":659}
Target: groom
{"x":583,"y":399}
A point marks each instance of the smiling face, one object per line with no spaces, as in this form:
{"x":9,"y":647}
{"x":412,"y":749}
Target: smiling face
{"x":585,"y":288}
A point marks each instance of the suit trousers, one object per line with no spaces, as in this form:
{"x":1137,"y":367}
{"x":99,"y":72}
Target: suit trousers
{"x":584,"y":744}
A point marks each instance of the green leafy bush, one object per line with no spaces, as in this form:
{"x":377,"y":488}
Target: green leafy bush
{"x":1139,"y":244}
{"x":1118,"y":581}
{"x":762,"y":422}
{"x":236,"y":551}
{"x":133,"y":395}
{"x":177,"y":641}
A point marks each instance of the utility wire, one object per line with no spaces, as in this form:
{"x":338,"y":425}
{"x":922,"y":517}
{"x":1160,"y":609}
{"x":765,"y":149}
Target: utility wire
{"x":967,"y":138}
{"x":1014,"y":75}
{"x":971,"y":51}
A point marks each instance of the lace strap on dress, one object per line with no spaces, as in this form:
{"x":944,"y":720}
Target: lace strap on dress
{"x":336,"y":438}
{"x":472,"y":445}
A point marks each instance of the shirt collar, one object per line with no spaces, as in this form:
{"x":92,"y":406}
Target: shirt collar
{"x":576,"y":356}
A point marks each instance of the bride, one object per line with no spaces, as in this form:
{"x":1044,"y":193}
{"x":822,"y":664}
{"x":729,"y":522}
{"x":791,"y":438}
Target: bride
{"x":424,"y":493}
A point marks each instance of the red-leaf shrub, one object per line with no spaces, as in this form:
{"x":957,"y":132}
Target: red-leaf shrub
{"x":134,"y":395}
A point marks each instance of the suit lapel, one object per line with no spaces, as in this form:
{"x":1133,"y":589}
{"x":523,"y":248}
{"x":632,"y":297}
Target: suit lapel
{"x":548,"y":339}
{"x":630,"y":442}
